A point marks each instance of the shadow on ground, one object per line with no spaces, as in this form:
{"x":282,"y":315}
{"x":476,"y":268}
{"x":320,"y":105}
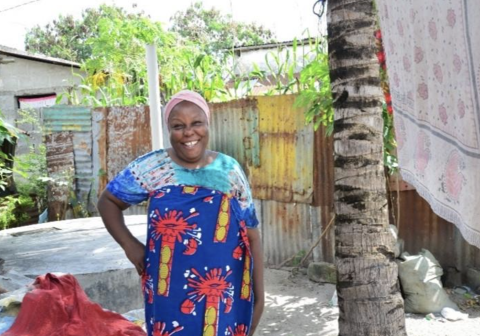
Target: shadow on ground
{"x":295,"y":306}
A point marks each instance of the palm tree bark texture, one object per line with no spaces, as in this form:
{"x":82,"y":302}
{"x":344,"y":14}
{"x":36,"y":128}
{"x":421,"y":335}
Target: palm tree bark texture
{"x":368,"y":289}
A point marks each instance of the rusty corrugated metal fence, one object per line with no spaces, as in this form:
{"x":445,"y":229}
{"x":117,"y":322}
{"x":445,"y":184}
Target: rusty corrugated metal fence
{"x":266,"y":135}
{"x":270,"y":139}
{"x":61,"y":159}
{"x":78,"y":121}
{"x":290,"y":168}
{"x":120,"y":135}
{"x":234,"y":130}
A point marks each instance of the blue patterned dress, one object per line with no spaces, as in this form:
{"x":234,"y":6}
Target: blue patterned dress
{"x":198,"y":262}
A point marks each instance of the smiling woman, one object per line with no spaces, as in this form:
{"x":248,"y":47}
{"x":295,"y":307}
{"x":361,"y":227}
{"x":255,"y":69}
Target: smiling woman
{"x":188,"y":127}
{"x":202,"y":264}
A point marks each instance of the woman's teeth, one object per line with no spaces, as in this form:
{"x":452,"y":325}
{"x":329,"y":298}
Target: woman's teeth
{"x":191,"y":143}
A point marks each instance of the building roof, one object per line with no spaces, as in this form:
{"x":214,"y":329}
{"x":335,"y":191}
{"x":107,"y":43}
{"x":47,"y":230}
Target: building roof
{"x":36,"y":57}
{"x":273,"y":45}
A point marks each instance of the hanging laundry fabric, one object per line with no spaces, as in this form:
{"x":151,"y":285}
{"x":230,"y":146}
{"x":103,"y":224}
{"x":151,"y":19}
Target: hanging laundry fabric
{"x":433,"y":62}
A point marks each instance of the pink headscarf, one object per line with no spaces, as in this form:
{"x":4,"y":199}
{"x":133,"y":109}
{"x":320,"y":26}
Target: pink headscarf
{"x":186,"y":95}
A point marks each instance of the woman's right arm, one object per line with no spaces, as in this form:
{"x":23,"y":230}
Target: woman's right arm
{"x":110,"y":209}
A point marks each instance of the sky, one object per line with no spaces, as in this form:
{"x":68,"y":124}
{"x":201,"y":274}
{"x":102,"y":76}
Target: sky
{"x":287,"y":18}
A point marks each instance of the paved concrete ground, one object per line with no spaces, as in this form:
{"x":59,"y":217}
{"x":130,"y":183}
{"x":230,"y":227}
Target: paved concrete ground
{"x":83,"y":248}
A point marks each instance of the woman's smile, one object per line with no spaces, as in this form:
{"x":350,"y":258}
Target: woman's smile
{"x":190,"y":144}
{"x":188,"y":126}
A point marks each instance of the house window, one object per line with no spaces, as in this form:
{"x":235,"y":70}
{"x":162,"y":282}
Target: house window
{"x":37,"y":101}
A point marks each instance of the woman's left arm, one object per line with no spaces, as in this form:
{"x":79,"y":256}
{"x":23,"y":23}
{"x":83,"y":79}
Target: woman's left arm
{"x":258,"y":286}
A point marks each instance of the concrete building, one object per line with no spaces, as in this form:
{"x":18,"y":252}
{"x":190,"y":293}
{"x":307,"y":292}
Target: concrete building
{"x":32,"y":81}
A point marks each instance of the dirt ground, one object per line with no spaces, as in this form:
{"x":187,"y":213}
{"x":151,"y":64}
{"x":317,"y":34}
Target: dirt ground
{"x":295,"y":306}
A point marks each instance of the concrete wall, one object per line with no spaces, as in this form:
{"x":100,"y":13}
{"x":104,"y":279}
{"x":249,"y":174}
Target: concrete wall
{"x":26,"y":77}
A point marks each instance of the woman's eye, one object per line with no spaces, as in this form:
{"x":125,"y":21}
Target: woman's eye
{"x":197,"y":123}
{"x":177,"y":127}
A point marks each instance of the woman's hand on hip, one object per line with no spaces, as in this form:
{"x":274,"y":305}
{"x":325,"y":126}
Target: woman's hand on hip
{"x":135,"y":252}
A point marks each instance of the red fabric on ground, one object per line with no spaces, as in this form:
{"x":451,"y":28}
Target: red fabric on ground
{"x":59,"y":307}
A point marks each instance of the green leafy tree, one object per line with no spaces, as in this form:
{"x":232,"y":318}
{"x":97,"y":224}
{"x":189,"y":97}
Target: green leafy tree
{"x":216,"y":31}
{"x":66,"y":37}
{"x":315,"y":93}
{"x":8,"y":135}
{"x":109,"y":42}
{"x":20,"y":186}
{"x":116,"y":69}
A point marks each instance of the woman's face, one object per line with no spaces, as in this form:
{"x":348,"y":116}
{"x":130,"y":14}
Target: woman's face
{"x":188,"y":127}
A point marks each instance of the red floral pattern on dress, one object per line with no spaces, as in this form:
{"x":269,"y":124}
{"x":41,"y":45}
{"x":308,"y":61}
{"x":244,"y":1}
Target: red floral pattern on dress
{"x":213,"y":289}
{"x":159,"y":329}
{"x":147,"y":287}
{"x":171,"y":229}
{"x":451,"y":18}
{"x":241,"y":330}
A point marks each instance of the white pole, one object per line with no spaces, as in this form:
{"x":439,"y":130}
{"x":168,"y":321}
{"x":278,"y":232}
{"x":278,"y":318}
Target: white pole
{"x":154,"y":97}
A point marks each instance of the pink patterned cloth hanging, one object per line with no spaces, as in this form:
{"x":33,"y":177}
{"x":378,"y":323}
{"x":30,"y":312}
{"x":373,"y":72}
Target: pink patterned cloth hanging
{"x":433,"y":61}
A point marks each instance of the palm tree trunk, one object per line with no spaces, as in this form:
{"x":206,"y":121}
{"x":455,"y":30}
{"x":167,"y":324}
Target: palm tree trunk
{"x":368,"y":289}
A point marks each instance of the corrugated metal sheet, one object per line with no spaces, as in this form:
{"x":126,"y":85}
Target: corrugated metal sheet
{"x":285,"y":161}
{"x":61,"y":118}
{"x":234,"y":131}
{"x":323,"y":190}
{"x":128,"y":136}
{"x":121,"y":134}
{"x":288,"y":230}
{"x":60,"y":159}
{"x":78,"y":120}
{"x":99,"y":151}
{"x":421,"y":228}
{"x":271,"y":141}
{"x":286,"y":152}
